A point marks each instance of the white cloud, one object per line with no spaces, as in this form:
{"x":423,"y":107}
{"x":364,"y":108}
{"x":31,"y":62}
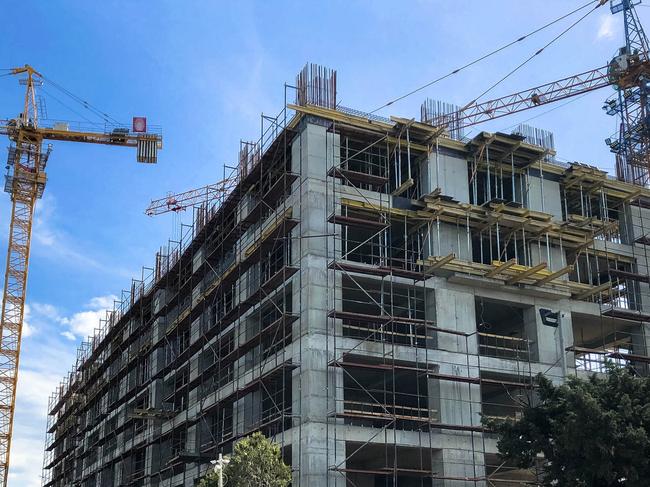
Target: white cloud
{"x":84,"y":323}
{"x":607,"y":27}
{"x":70,"y":336}
{"x":26,"y":459}
{"x":80,"y":324}
{"x":37,"y":317}
{"x":50,"y":240}
{"x":46,"y":311}
{"x":102,"y":302}
{"x":28,"y":330}
{"x":35,"y":387}
{"x":32,"y":318}
{"x":42,"y":367}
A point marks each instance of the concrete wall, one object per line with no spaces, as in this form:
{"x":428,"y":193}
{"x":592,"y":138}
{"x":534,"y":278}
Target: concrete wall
{"x":548,"y":343}
{"x":545,"y":196}
{"x":446,"y":238}
{"x":553,"y":256}
{"x":449,"y":173}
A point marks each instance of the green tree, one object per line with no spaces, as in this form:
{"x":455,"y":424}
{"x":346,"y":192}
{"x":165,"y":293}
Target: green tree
{"x":592,"y":432}
{"x":211,"y":479}
{"x":257,"y":462}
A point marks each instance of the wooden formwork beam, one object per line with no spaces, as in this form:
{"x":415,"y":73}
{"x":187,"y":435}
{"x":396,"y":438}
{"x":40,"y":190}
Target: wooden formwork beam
{"x":527,"y":273}
{"x":554,"y":275}
{"x":440,"y":262}
{"x":403,"y":187}
{"x":594,"y":290}
{"x":500,"y":267}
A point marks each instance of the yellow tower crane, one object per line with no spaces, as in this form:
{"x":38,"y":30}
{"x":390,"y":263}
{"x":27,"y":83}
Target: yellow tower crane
{"x":25,"y":183}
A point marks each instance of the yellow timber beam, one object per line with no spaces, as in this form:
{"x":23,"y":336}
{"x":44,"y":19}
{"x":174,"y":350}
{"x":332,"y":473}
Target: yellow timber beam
{"x":528,"y":272}
{"x":554,"y":275}
{"x":593,"y":291}
{"x":403,"y":187}
{"x":438,"y":262}
{"x":498,"y":267}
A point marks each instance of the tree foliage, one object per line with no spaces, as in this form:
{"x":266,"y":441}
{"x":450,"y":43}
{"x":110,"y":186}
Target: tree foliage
{"x":210,"y":479}
{"x":256,"y":461}
{"x":592,"y":432}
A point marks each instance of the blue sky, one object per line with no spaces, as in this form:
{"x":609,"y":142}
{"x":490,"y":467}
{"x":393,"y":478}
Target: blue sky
{"x":205,"y":71}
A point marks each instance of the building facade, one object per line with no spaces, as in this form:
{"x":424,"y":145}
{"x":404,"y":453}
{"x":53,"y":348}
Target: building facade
{"x":367,"y":290}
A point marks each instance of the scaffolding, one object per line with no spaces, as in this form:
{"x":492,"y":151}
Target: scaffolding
{"x":215,"y":310}
{"x":391,"y":378}
{"x":384,"y":252}
{"x":365,"y":293}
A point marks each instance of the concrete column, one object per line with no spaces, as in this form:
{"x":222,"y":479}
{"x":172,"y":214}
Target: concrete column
{"x":445,"y":239}
{"x":641,"y":346}
{"x":314,"y":382}
{"x":457,"y":403}
{"x":554,"y":258}
{"x":458,"y":462}
{"x":455,"y":310}
{"x":546,"y":341}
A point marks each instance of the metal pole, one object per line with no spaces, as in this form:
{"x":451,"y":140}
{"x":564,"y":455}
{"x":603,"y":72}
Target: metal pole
{"x":219,"y":464}
{"x":560,"y":315}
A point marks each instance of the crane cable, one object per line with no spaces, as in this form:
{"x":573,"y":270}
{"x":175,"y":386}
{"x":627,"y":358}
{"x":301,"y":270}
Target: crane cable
{"x":106,"y":117}
{"x":50,"y":95}
{"x":100,"y":113}
{"x":485,"y":56}
{"x":96,"y":111}
{"x":532,"y":56}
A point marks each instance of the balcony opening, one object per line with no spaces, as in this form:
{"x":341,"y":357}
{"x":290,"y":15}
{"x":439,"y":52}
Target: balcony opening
{"x":598,"y":340}
{"x":375,"y":311}
{"x":375,"y":397}
{"x":502,"y":330}
{"x":376,"y":465}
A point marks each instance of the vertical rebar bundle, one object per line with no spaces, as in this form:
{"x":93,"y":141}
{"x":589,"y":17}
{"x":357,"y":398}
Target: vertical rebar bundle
{"x":316,"y":85}
{"x":440,"y":113}
{"x":536,"y":136}
{"x":249,"y":155}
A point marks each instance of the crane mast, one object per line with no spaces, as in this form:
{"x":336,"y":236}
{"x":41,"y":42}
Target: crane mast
{"x":25,"y":183}
{"x":631,"y":103}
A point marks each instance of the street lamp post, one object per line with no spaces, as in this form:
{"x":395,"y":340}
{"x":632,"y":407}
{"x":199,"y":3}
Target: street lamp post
{"x":219,"y":465}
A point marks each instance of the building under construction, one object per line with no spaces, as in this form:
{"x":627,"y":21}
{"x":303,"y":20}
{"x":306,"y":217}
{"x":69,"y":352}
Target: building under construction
{"x":365,"y":291}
